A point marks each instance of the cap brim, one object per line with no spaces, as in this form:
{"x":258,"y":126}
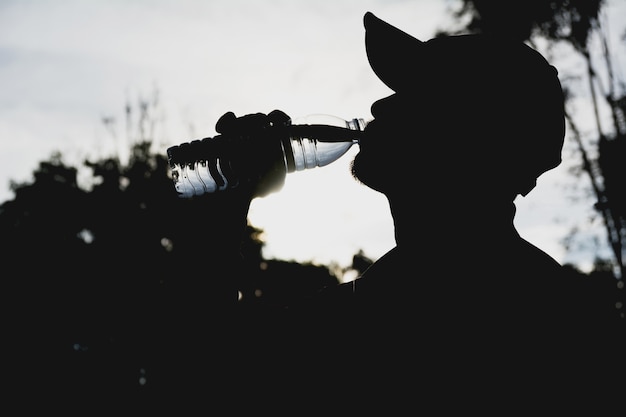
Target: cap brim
{"x":392,"y":53}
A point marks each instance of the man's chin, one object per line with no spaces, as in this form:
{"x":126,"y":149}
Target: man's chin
{"x":365,"y":174}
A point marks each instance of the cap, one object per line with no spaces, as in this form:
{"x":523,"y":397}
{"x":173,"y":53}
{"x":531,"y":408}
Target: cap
{"x":400,"y":60}
{"x":495,"y":77}
{"x":391,"y":52}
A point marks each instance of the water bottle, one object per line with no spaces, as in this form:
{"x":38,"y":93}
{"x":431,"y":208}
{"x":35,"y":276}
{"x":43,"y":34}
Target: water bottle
{"x":316,"y":140}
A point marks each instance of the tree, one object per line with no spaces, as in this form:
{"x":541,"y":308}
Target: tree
{"x":107,"y":279}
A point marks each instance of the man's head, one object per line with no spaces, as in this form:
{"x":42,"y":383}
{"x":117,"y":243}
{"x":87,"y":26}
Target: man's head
{"x":466,"y":109}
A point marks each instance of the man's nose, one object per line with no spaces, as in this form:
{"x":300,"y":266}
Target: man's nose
{"x":383,"y":106}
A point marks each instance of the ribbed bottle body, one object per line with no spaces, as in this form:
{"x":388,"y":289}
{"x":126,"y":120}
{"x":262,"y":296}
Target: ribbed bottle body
{"x":204,"y":166}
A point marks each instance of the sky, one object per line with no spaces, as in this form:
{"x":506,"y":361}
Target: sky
{"x":69,"y":67}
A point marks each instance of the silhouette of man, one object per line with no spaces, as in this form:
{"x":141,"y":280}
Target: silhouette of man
{"x":462,"y":302}
{"x":473,"y":122}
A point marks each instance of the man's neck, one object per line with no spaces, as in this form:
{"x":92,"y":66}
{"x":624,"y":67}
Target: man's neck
{"x":433,"y":223}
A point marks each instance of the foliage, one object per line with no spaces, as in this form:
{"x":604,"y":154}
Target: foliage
{"x":567,"y":20}
{"x":108,"y":277}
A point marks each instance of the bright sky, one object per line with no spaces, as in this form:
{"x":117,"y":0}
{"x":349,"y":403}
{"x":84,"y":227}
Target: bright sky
{"x":67,"y":64}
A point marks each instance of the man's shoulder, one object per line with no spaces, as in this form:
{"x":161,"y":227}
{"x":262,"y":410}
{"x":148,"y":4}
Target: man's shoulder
{"x":532,"y":255}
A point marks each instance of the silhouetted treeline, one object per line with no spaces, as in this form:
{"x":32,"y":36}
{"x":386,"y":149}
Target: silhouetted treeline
{"x":98,"y":282}
{"x":103,"y":285}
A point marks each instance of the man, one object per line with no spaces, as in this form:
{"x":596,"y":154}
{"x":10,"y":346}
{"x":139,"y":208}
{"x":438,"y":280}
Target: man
{"x":462,"y":303}
{"x":473,"y":122}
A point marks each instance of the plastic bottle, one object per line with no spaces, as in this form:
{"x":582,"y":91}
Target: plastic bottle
{"x":316,"y":140}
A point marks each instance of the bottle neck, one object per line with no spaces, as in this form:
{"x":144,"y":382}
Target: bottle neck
{"x":356,"y":124}
{"x":326,"y":133}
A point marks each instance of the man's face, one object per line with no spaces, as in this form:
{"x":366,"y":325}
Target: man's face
{"x":390,"y":149}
